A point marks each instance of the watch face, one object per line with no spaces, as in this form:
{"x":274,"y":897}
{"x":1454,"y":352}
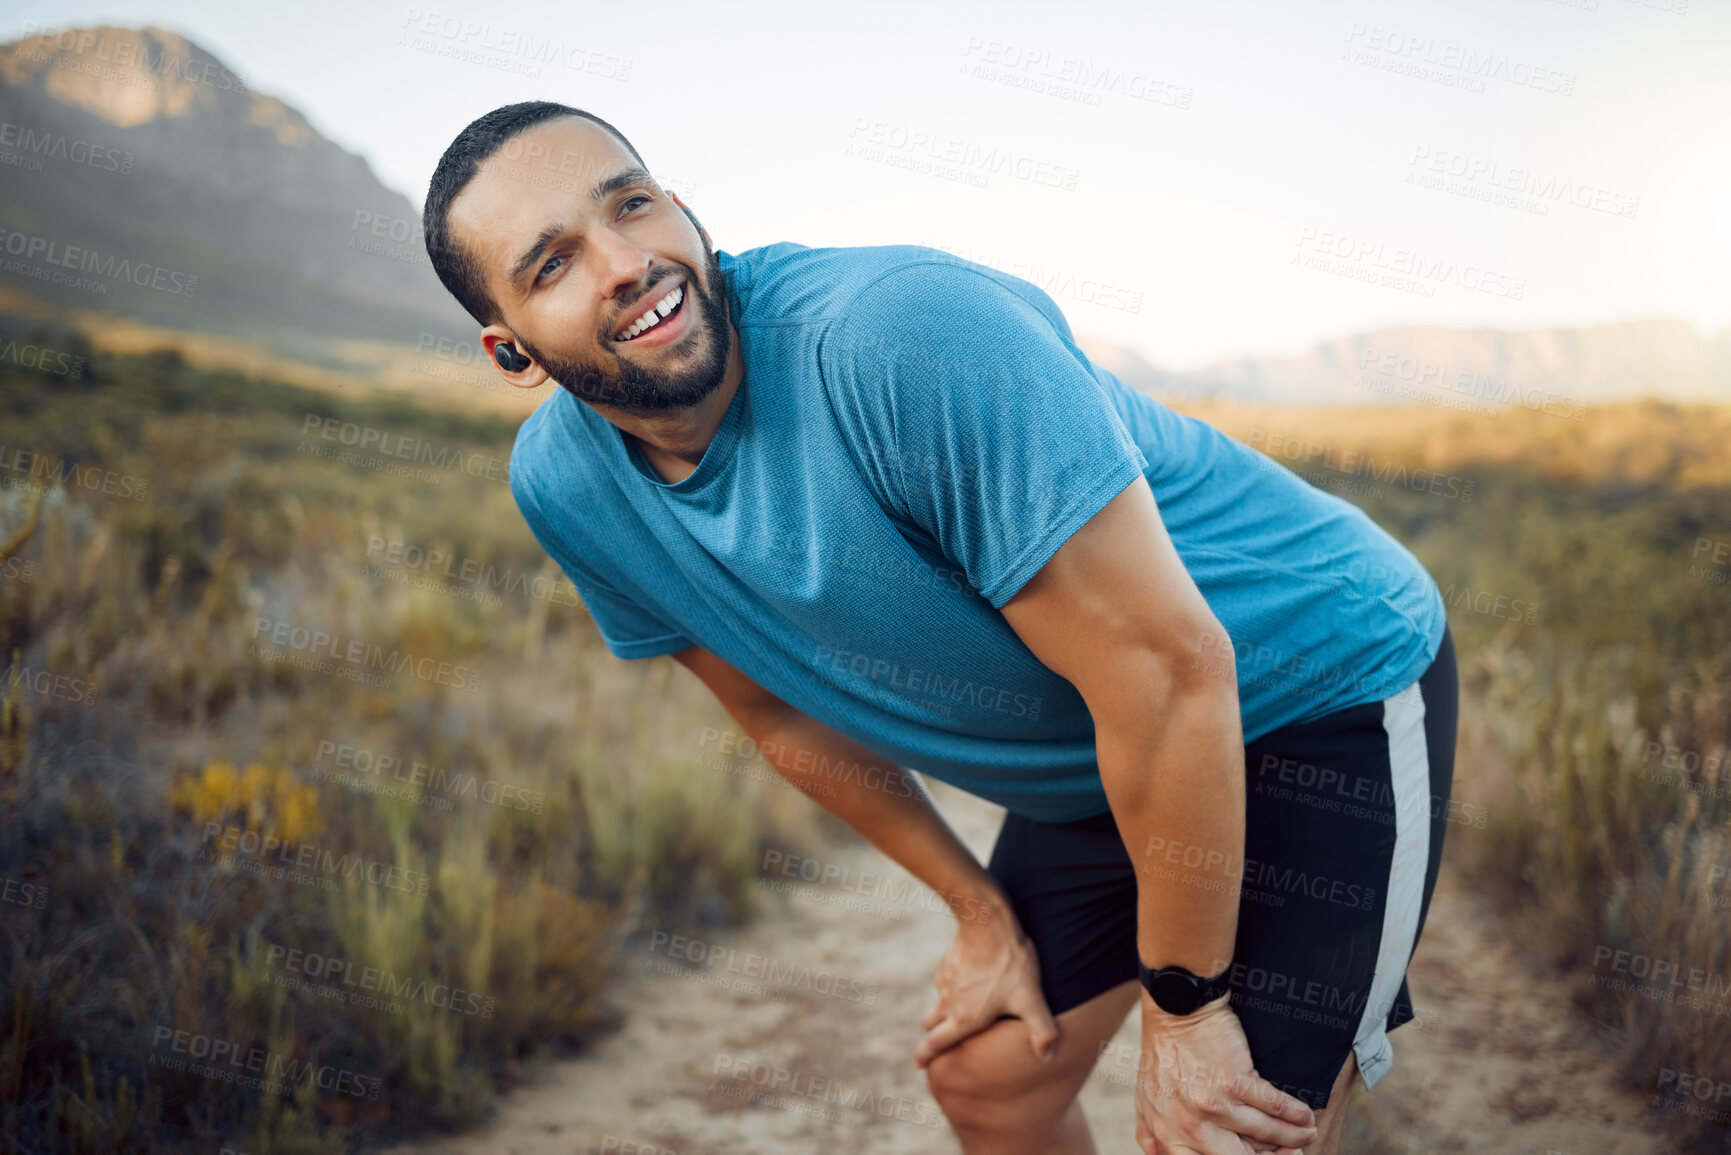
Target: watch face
{"x":1175,"y":994}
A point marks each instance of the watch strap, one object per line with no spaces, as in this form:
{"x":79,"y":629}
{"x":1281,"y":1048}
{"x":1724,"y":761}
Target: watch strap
{"x":1208,"y":989}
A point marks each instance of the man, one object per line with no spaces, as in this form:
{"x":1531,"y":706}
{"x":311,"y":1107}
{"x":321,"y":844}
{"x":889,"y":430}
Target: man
{"x":882,"y":505}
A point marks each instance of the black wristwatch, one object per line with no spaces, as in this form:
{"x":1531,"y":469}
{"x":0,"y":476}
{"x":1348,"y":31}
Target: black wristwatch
{"x":1178,"y":992}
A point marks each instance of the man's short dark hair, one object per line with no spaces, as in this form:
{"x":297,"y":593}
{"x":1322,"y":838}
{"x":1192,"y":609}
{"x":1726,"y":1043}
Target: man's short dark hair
{"x":456,"y":266}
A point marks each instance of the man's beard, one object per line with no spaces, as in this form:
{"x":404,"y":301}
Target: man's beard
{"x":639,"y":390}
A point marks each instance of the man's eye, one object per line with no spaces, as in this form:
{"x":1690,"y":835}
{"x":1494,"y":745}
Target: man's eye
{"x":637,"y":197}
{"x":544,"y":269}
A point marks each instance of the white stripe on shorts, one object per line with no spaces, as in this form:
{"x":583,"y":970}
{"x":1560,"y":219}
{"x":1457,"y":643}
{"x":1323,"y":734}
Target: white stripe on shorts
{"x":1409,"y":771}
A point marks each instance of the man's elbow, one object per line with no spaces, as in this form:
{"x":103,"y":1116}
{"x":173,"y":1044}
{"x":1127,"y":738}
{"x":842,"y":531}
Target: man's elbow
{"x":1196,"y":665}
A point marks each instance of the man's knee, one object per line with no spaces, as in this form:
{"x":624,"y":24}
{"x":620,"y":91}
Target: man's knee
{"x":985,"y":1081}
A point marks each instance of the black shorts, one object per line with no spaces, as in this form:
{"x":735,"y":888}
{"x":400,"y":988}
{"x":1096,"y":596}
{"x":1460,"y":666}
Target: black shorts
{"x":1344,"y":825}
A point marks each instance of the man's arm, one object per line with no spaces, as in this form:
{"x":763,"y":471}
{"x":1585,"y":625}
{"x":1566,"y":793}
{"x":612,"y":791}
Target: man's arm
{"x":1115,"y":612}
{"x":891,"y":810}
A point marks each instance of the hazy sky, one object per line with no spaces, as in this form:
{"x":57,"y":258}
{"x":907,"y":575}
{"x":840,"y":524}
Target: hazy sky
{"x":1194,"y":181}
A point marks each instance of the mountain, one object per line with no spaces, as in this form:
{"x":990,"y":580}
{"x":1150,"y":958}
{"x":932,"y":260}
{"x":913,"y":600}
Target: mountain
{"x":1556,"y":370}
{"x":146,"y":179}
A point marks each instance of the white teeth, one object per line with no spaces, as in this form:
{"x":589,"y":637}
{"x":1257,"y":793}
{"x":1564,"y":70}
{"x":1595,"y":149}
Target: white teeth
{"x":656,"y":313}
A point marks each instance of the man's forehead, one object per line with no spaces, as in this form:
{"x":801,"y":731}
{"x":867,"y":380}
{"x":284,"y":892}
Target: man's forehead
{"x":542,"y":174}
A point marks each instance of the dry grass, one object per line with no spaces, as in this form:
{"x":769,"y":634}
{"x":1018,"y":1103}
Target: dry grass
{"x":142,"y":925}
{"x":570,"y":814}
{"x":1592,"y":845}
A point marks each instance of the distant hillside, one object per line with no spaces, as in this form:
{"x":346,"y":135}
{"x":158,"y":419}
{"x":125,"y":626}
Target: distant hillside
{"x":129,"y":180}
{"x":145,"y":180}
{"x":1557,"y":371}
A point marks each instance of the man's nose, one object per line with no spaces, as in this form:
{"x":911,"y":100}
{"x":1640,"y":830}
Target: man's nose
{"x":623,"y":265}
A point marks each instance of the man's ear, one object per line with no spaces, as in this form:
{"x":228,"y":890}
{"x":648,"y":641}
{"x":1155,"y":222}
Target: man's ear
{"x":691,"y":216}
{"x":530,"y":377}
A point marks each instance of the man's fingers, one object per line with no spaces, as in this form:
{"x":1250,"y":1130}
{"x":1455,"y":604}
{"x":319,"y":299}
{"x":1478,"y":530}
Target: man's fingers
{"x":934,"y":1016}
{"x":938,"y":1040}
{"x":1259,"y":1092}
{"x":1042,"y":1027}
{"x":1226,"y":1111}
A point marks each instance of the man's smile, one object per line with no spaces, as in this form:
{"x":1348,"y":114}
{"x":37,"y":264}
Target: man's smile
{"x":659,"y":322}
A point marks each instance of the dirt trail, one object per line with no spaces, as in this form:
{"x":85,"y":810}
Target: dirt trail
{"x":707,"y":1063}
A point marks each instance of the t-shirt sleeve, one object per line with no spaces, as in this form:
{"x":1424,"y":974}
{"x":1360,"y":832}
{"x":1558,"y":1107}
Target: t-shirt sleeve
{"x":974,"y":420}
{"x":628,"y":629}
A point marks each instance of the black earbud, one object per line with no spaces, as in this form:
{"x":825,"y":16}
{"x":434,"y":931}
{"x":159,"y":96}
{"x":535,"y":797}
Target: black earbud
{"x":508,"y":358}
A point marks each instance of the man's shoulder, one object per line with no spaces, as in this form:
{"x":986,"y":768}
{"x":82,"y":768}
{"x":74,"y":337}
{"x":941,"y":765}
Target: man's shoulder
{"x":788,"y":283}
{"x":553,"y":452}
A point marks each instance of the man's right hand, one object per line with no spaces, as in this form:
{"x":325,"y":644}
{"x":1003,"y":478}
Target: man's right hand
{"x":989,"y":972}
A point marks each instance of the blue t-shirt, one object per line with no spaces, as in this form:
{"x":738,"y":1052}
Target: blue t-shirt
{"x":914,"y":437}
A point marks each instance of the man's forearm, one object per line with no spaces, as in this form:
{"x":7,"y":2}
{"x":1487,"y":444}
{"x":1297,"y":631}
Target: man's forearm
{"x":888,"y":807}
{"x":1174,"y":775}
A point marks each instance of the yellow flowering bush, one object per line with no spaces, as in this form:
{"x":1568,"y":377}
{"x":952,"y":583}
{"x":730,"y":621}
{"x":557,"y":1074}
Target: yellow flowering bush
{"x":262,"y":799}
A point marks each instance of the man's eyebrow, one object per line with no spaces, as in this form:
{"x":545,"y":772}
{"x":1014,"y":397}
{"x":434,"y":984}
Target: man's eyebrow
{"x":548,"y":235}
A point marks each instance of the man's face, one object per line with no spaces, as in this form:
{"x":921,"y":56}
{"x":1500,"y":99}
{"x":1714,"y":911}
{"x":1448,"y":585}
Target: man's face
{"x":577,"y":244}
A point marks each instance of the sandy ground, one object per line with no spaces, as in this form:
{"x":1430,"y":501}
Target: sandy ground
{"x":796,"y":1036}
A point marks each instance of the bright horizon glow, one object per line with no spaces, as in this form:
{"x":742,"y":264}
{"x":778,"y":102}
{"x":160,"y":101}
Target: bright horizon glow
{"x":1256,"y":122}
